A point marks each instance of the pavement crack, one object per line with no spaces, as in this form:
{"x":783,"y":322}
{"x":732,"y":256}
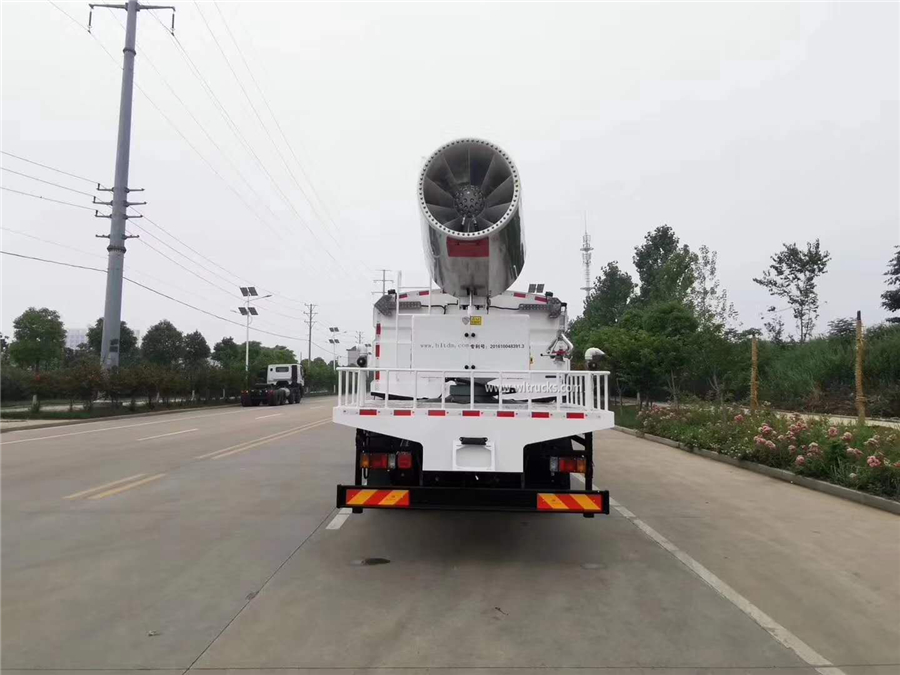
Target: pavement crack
{"x":252,"y":595}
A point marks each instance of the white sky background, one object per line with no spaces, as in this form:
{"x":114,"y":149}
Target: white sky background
{"x":740,"y":125}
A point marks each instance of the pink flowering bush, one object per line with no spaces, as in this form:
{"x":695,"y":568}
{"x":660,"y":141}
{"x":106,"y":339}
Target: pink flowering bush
{"x":865,"y":458}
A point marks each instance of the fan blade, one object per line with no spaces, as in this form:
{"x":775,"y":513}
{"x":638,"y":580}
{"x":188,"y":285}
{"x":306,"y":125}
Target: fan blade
{"x":480,"y":159}
{"x":497,"y":174}
{"x":483,"y":223}
{"x":435,"y":194}
{"x":439,"y":172}
{"x":457,"y":158}
{"x":454,"y":224}
{"x":495,"y":213}
{"x":502,"y":193}
{"x":442,"y":213}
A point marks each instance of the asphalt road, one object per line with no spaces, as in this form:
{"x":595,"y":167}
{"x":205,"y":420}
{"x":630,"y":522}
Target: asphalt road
{"x":208,"y":541}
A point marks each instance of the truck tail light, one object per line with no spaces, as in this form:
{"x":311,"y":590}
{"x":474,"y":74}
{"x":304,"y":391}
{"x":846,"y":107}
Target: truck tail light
{"x":567,"y":465}
{"x":377,"y":460}
{"x":404,"y":460}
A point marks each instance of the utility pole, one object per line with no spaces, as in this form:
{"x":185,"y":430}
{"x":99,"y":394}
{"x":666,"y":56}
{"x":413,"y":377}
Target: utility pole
{"x":310,"y":321}
{"x":112,"y":311}
{"x":384,"y":280}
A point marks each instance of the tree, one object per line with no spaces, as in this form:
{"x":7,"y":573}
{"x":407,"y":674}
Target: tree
{"x":226,"y":352}
{"x":318,"y":375}
{"x":891,"y":297}
{"x":666,"y":270}
{"x":4,"y":349}
{"x":128,"y":346}
{"x":84,"y":381}
{"x":672,"y":325}
{"x":842,"y":329}
{"x":196,"y":350}
{"x":39,"y":337}
{"x":613,"y":290}
{"x":708,"y":298}
{"x":792,"y":276}
{"x":163,"y":344}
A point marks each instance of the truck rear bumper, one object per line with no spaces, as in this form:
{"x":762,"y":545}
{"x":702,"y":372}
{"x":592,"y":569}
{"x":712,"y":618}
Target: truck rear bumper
{"x":588,"y":502}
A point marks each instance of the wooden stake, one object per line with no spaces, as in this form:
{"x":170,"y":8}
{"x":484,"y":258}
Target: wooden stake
{"x":860,"y":356}
{"x":754,"y":374}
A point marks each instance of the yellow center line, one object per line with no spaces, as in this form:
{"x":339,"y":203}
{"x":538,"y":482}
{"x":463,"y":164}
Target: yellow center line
{"x":229,"y":452}
{"x":115,"y":491}
{"x":105,"y":485}
{"x":270,"y":437}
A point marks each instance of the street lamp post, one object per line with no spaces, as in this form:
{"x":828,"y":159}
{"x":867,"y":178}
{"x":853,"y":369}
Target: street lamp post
{"x":334,"y":343}
{"x":249,"y":311}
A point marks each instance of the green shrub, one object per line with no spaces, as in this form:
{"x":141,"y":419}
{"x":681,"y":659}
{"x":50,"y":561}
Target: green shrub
{"x":860,"y":457}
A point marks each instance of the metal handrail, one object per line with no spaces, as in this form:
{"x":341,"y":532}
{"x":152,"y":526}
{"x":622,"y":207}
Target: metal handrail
{"x":352,"y":386}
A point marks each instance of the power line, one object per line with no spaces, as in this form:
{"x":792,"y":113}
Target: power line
{"x":45,"y":166}
{"x":286,"y":199}
{"x":312,"y":261}
{"x":152,"y":290}
{"x":259,"y":117}
{"x":168,"y":233}
{"x":47,"y":199}
{"x":265,"y":100}
{"x":93,"y":255}
{"x":46,"y":182}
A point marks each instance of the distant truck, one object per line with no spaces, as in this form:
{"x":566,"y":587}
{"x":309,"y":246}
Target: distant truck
{"x":284,"y":384}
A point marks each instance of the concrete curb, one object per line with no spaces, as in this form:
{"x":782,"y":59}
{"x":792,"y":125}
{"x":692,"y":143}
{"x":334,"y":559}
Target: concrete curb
{"x":780,"y":474}
{"x":68,"y":423}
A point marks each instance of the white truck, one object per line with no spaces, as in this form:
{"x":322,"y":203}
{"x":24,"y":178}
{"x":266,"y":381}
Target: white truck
{"x":471,"y":403}
{"x":284,"y":384}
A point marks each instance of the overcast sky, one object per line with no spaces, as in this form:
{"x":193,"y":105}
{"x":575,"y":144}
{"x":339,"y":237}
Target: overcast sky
{"x":740,"y":125}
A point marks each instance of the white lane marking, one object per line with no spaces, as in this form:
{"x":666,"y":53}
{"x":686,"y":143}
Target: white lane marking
{"x":104,"y":486}
{"x":124,"y":426}
{"x":174,"y":433}
{"x":339,"y":519}
{"x":822,"y":665}
{"x":265,"y":416}
{"x":313,"y":407}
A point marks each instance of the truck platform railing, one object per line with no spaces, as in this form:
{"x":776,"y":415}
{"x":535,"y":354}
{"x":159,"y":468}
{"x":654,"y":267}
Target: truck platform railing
{"x":515,"y":390}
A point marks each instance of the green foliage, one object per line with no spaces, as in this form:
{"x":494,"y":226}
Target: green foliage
{"x":128,"y":345}
{"x":609,"y":299}
{"x":83,"y":381}
{"x":708,"y":299}
{"x":163,"y":345}
{"x":792,"y":276}
{"x":891,"y":297}
{"x":196,"y":350}
{"x":319,"y":375}
{"x":819,"y":375}
{"x":226,"y":352}
{"x":39,"y":338}
{"x":666,"y":270}
{"x":861,"y":457}
{"x":15,"y":383}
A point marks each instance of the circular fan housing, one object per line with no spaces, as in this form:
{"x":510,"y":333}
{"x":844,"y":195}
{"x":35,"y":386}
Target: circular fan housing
{"x":469,"y":197}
